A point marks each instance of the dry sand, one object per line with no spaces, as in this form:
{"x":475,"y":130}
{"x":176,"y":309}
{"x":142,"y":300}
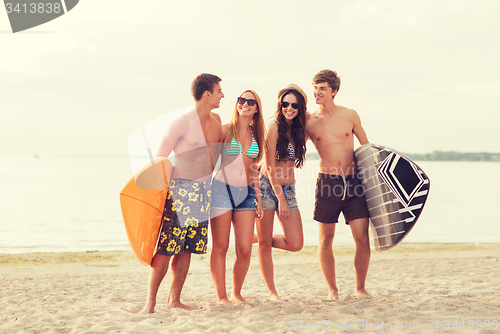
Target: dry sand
{"x":439,"y":286}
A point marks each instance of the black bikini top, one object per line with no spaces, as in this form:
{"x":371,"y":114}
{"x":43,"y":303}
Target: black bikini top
{"x":290,"y":156}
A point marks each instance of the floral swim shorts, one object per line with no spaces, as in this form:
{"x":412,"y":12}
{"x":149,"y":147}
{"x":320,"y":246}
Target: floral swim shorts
{"x":185,"y":218}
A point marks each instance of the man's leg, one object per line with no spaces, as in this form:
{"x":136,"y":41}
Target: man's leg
{"x":359,"y":228}
{"x":157,"y":272}
{"x":180,"y":267}
{"x":326,"y":258}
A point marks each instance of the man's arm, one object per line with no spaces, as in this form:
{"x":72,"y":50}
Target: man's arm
{"x":175,"y":131}
{"x":358,"y":130}
{"x":147,"y":176}
{"x":219,"y":148}
{"x":216,"y":148}
{"x":217,"y":117}
{"x":307,"y":127}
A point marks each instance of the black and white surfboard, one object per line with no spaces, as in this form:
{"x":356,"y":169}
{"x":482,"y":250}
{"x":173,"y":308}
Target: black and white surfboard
{"x":395,"y":192}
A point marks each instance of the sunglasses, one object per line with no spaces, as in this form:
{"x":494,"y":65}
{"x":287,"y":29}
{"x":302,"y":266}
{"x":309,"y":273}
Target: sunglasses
{"x":250,"y":102}
{"x":286,"y":104}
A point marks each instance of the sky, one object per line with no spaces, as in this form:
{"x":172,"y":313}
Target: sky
{"x":422,"y":75}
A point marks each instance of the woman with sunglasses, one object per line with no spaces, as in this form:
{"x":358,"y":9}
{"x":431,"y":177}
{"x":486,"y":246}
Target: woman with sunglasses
{"x":286,"y":149}
{"x":236,"y":195}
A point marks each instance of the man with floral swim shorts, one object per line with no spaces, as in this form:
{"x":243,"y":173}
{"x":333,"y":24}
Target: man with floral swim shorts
{"x":186,"y":213}
{"x":185,"y":218}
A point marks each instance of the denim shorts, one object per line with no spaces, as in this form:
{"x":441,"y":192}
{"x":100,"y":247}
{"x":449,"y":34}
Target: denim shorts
{"x":227,"y":197}
{"x":269,"y":199}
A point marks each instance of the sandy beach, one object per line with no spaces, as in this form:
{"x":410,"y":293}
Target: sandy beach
{"x":417,"y":288}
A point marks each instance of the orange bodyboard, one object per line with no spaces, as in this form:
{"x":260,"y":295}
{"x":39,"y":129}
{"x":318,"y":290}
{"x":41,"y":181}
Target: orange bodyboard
{"x":142,"y":202}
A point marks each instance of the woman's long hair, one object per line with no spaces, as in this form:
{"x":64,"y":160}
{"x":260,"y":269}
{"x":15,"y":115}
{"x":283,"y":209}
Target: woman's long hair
{"x":257,"y":124}
{"x":297,"y":130}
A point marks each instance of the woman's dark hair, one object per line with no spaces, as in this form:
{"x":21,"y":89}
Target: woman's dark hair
{"x":297,"y":129}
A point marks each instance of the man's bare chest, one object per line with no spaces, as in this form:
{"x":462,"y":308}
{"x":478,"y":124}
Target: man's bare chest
{"x":331,"y":129}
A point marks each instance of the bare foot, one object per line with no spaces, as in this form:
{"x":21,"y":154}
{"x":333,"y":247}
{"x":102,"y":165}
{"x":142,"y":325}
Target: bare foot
{"x":333,"y":295}
{"x":149,"y":307}
{"x":362,"y":292}
{"x":239,"y":298}
{"x":182,"y":306}
{"x":225,"y":301}
{"x":275,"y":297}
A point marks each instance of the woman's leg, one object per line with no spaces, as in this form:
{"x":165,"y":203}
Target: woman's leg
{"x":292,"y":238}
{"x":244,"y":224}
{"x":265,"y":235}
{"x":221,"y":228}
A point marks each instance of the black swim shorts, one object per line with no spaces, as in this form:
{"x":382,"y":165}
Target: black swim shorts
{"x":339,"y":193}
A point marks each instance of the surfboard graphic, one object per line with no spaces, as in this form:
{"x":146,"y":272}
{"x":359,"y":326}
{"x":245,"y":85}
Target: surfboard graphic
{"x":396,"y":190}
{"x":28,"y":14}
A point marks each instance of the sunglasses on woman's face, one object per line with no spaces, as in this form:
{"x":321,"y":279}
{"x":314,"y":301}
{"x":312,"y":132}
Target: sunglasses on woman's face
{"x":286,"y":104}
{"x":250,"y":102}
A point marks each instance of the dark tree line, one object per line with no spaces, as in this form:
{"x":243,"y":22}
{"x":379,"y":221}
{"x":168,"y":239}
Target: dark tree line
{"x":441,"y":156}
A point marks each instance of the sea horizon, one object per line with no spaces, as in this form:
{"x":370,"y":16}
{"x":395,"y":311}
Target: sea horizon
{"x":66,"y":204}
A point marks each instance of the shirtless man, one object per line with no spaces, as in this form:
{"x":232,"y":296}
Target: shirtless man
{"x":331,"y":128}
{"x":185,"y":218}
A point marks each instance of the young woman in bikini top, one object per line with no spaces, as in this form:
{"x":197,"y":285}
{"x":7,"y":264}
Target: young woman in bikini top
{"x":235,"y":193}
{"x":285,"y":151}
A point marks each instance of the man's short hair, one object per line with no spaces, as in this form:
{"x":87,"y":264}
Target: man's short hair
{"x":202,"y":83}
{"x":329,"y":77}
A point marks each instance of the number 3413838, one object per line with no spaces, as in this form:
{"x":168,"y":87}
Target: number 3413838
{"x":34,"y":8}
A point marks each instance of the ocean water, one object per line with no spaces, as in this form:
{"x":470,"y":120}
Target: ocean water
{"x":60,"y":204}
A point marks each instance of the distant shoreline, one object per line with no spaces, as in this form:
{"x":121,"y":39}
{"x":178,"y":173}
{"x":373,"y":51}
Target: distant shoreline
{"x":441,"y":156}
